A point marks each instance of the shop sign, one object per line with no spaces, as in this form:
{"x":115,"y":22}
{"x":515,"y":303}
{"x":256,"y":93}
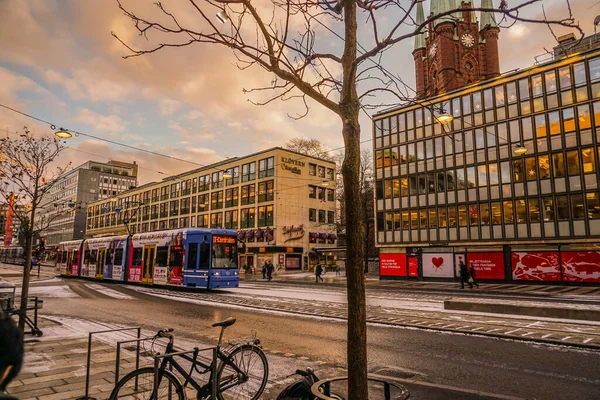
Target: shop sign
{"x":293,"y":232}
{"x":413,"y":267}
{"x":292,"y":263}
{"x":392,"y":264}
{"x":438,"y":265}
{"x":289,"y":249}
{"x":581,"y":266}
{"x":281,"y":259}
{"x":262,"y":250}
{"x":487,"y":265}
{"x":535,"y":266}
{"x":291,"y":165}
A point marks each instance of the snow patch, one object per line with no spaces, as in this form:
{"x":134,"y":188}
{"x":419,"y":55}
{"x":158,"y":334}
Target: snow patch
{"x":108,"y":292}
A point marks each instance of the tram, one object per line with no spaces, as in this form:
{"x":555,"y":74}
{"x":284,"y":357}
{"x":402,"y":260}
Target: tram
{"x":191,"y":257}
{"x":16,"y":255}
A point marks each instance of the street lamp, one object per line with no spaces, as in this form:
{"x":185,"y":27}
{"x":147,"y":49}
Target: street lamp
{"x":227,"y":174}
{"x":63,"y":133}
{"x":520,"y":150}
{"x":223,"y":17}
{"x":325,"y":183}
{"x":444,"y":118}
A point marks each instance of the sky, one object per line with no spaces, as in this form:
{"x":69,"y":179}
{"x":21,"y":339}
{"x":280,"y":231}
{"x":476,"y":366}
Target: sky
{"x":60,"y":63}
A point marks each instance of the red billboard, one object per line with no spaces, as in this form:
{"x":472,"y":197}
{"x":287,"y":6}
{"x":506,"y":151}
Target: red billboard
{"x":392,"y":264}
{"x":487,"y":265}
{"x":581,"y":266}
{"x":536,"y":266}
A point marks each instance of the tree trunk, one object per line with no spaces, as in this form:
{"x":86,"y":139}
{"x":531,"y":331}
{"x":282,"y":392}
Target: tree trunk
{"x":26,"y":276}
{"x":357,"y":316}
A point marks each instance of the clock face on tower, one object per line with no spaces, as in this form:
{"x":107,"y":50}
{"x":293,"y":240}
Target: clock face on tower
{"x":467,"y":40}
{"x":433,"y":50}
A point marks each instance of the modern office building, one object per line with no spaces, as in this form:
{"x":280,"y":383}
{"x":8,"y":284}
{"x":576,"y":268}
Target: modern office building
{"x":66,"y":203}
{"x":282,"y":203}
{"x":509,"y":186}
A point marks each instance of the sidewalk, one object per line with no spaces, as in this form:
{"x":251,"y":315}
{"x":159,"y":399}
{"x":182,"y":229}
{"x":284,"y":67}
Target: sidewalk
{"x":373,"y":282}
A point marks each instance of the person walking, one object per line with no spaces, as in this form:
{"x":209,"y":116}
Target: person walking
{"x":464,"y":275}
{"x":264,"y":270}
{"x":318,"y":272}
{"x":472,"y":276}
{"x":270,"y":269}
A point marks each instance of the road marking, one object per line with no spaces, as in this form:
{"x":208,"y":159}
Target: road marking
{"x":588,"y":340}
{"x":528,"y":333}
{"x":107,"y":292}
{"x":546,"y":335}
{"x":513,"y":331}
{"x":565,"y":338}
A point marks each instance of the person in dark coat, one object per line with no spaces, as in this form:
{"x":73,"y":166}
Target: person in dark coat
{"x":270,"y":269}
{"x":11,"y":353}
{"x":472,"y":275}
{"x":264,"y":270}
{"x":318,"y":272}
{"x":464,"y":275}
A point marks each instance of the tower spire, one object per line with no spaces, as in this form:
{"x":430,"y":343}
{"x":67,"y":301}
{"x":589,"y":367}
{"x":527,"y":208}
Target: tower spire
{"x":420,"y":38}
{"x":488,"y":19}
{"x":441,"y":6}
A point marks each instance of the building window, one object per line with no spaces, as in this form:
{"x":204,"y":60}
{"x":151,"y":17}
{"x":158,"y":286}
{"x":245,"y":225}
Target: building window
{"x":265,"y":215}
{"x":266,"y":167}
{"x":321,"y":170}
{"x":312,"y":215}
{"x":321,"y":193}
{"x":331,"y":217}
{"x":231,"y":219}
{"x":235,"y":176}
{"x":573,"y":167}
{"x":174,"y":208}
{"x":312,"y":192}
{"x":322,"y":216}
{"x":184,"y":222}
{"x":330,"y":173}
{"x":217,"y":180}
{"x":216,"y":220}
{"x":202,"y":202}
{"x":593,"y":205}
{"x":330,"y":195}
{"x":204,"y":183}
{"x":185,"y":206}
{"x":247,"y":218}
{"x":175,"y":190}
{"x":534,"y":210}
{"x":588,"y":160}
{"x":265,"y":191}
{"x":216,"y":200}
{"x":577,"y":206}
{"x":312,"y":169}
{"x":562,"y":208}
{"x":249,"y":172}
{"x":231,"y":197}
{"x":203,"y":221}
{"x":508,"y":212}
{"x":186,"y":187}
{"x":164,"y":193}
{"x":173,"y":223}
{"x":248,"y":195}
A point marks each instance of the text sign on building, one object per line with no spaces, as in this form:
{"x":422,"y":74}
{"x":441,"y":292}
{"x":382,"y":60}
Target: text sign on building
{"x":581,"y":266}
{"x":392,"y":264}
{"x":487,"y":265}
{"x":293,"y":232}
{"x":291,"y":165}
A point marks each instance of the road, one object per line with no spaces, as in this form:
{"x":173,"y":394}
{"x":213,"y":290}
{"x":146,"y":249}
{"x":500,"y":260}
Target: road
{"x":436,"y":365}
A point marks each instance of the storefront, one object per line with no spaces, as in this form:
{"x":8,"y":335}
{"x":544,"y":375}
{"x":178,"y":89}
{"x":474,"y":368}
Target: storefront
{"x":560,"y":263}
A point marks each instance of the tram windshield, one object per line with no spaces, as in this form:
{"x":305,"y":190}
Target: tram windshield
{"x":224,"y":252}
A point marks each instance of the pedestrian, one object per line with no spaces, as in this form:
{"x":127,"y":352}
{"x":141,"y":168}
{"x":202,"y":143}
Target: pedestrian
{"x":472,"y":274}
{"x":318,"y":272}
{"x":11,"y":353}
{"x":464,"y":275}
{"x":337,"y":270}
{"x":270,"y":269}
{"x":264,"y":270}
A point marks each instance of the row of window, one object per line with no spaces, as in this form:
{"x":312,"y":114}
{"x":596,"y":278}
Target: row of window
{"x":570,"y":207}
{"x":320,"y":171}
{"x":563,"y":83}
{"x":229,"y":198}
{"x":557,"y":122}
{"x":541,"y":167}
{"x":321,"y":216}
{"x":317,"y":192}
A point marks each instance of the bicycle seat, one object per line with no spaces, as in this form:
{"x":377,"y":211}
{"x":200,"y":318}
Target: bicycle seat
{"x":225,"y":323}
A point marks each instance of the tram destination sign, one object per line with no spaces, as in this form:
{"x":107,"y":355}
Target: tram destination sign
{"x":224,"y":239}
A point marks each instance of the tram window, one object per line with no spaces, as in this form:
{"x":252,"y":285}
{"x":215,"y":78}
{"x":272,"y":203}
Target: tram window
{"x":93,"y":256}
{"x":192,"y":261}
{"x":108,"y":256}
{"x":118,"y":257}
{"x":137,"y":256}
{"x":161,"y":256}
{"x":176,"y":258}
{"x":86,"y":257}
{"x":204,"y":256}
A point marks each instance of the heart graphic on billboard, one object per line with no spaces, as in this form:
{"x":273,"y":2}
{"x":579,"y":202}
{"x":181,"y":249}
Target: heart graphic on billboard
{"x":437,"y":261}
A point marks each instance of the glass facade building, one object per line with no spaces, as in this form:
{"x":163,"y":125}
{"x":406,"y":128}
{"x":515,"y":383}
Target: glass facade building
{"x":459,"y":188}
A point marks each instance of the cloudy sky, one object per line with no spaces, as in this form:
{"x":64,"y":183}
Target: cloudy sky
{"x":58,"y":61}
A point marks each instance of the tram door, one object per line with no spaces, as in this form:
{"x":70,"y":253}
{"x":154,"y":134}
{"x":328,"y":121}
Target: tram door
{"x":148,"y":273}
{"x":69,"y":262}
{"x":100,"y":264}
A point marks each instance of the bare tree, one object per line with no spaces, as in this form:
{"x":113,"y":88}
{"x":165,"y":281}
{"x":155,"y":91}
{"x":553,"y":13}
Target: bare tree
{"x":27,"y":176}
{"x":284,"y":38}
{"x":310,"y":147}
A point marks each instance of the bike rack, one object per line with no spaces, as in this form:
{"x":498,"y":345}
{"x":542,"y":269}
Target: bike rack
{"x":89,"y":357}
{"x":322,"y":389}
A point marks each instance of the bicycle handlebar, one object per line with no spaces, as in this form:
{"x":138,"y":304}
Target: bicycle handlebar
{"x":164,"y":332}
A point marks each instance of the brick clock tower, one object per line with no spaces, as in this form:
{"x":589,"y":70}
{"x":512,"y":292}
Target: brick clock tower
{"x":456,"y":50}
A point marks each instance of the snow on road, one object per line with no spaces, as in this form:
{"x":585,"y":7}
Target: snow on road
{"x":108,"y":292}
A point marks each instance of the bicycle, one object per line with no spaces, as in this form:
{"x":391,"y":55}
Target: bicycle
{"x":238,"y":376}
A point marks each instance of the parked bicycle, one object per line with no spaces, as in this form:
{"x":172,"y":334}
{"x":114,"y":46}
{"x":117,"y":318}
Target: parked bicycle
{"x":241,"y":372}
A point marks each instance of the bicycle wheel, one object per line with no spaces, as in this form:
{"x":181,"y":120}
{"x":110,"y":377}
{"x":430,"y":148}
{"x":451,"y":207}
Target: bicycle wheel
{"x":127,"y":388}
{"x":253,"y":363}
